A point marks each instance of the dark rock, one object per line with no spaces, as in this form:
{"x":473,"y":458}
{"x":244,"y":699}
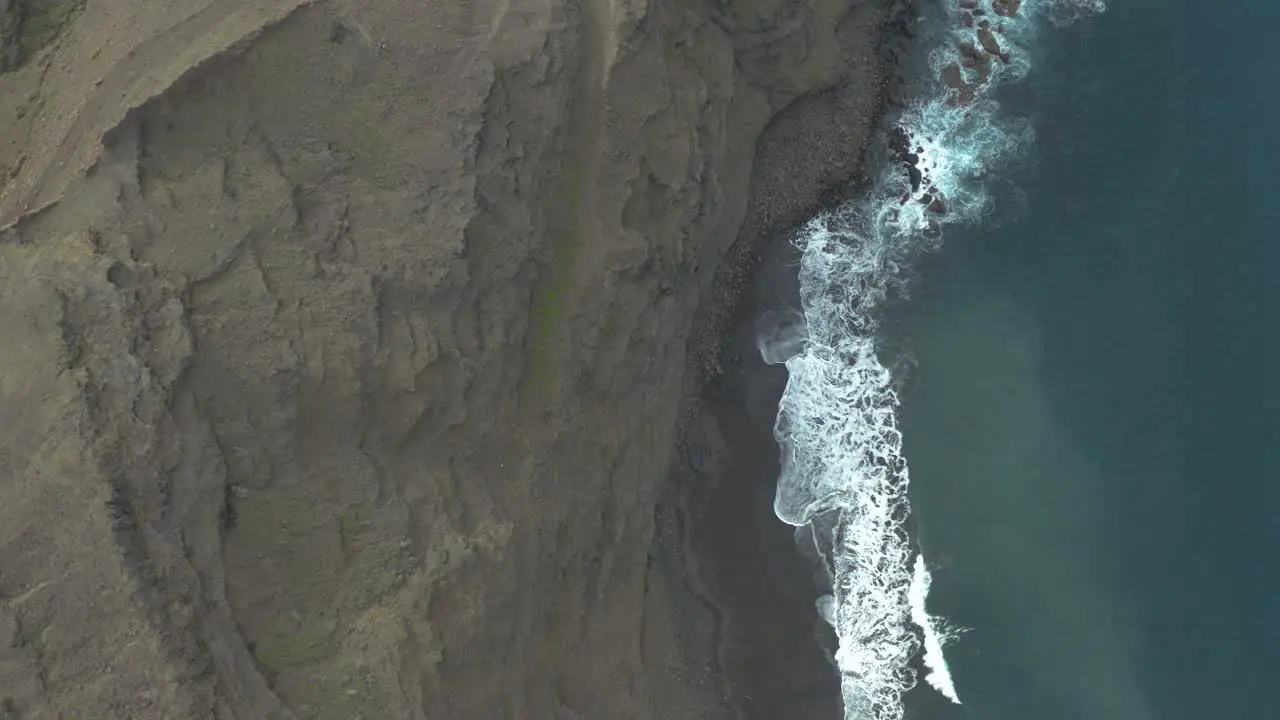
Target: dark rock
{"x":971,"y":56}
{"x":989,"y":42}
{"x":954,"y":79}
{"x":952,"y":76}
{"x":10,"y":50}
{"x":1006,"y":8}
{"x":899,"y":145}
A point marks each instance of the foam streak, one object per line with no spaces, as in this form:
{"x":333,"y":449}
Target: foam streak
{"x":837,"y":423}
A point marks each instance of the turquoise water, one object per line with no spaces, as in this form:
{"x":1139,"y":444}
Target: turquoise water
{"x":1092,"y":419}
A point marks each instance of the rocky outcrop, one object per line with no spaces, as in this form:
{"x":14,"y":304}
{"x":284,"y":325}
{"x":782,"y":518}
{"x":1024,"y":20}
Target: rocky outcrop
{"x":9,"y":48}
{"x":344,"y":345}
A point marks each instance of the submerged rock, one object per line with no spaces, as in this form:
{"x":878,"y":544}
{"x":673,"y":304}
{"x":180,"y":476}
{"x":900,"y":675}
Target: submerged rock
{"x":964,"y":92}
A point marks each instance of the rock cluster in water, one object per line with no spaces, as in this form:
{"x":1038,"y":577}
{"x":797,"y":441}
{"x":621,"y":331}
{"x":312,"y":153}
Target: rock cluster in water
{"x":975,"y":56}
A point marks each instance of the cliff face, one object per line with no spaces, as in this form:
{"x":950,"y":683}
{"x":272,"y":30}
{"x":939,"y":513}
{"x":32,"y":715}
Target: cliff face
{"x":343,"y":346}
{"x":9,"y":49}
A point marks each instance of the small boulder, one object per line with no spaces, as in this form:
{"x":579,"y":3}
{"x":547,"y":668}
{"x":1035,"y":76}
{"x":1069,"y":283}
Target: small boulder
{"x":1006,"y":8}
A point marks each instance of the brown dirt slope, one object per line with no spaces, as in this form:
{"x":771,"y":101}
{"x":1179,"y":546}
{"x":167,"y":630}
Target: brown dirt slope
{"x":342,"y":343}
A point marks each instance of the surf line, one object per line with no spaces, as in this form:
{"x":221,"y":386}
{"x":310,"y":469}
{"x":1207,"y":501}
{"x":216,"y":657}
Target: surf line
{"x":843,"y":471}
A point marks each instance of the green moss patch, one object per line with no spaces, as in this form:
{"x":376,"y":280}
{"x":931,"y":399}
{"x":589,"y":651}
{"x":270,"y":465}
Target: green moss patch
{"x":42,"y":21}
{"x":549,"y":300}
{"x":291,"y":644}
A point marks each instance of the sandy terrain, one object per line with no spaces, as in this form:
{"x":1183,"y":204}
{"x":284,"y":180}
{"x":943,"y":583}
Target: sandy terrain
{"x":771,"y":652}
{"x":342,"y":345}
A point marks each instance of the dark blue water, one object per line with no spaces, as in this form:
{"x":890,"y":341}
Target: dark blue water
{"x":1094,"y":425}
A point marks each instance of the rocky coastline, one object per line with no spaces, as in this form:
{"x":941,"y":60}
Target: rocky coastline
{"x":773,"y":654}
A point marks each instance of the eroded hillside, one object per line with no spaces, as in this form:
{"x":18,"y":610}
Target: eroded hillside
{"x":342,"y":346}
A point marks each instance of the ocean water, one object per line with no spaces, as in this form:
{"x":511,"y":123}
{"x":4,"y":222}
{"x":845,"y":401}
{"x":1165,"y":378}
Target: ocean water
{"x":1033,"y":427}
{"x":1092,"y":423}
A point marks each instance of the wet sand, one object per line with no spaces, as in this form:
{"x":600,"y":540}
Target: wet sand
{"x":747,"y":559}
{"x":773,"y":653}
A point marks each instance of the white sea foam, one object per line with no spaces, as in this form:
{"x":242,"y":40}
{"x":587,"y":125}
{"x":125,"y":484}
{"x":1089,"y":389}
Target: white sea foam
{"x":837,"y":423}
{"x":937,"y":633}
{"x":780,"y":336}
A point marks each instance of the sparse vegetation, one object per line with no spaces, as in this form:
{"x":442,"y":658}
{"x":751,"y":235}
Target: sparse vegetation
{"x":290,"y":646}
{"x":548,"y":301}
{"x":40,"y":22}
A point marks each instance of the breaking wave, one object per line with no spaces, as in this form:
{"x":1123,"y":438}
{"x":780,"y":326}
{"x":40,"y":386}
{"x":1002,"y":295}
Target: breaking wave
{"x":936,"y":632}
{"x":837,"y":423}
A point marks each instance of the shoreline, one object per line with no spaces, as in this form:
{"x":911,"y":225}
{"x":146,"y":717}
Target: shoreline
{"x":740,"y":561}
